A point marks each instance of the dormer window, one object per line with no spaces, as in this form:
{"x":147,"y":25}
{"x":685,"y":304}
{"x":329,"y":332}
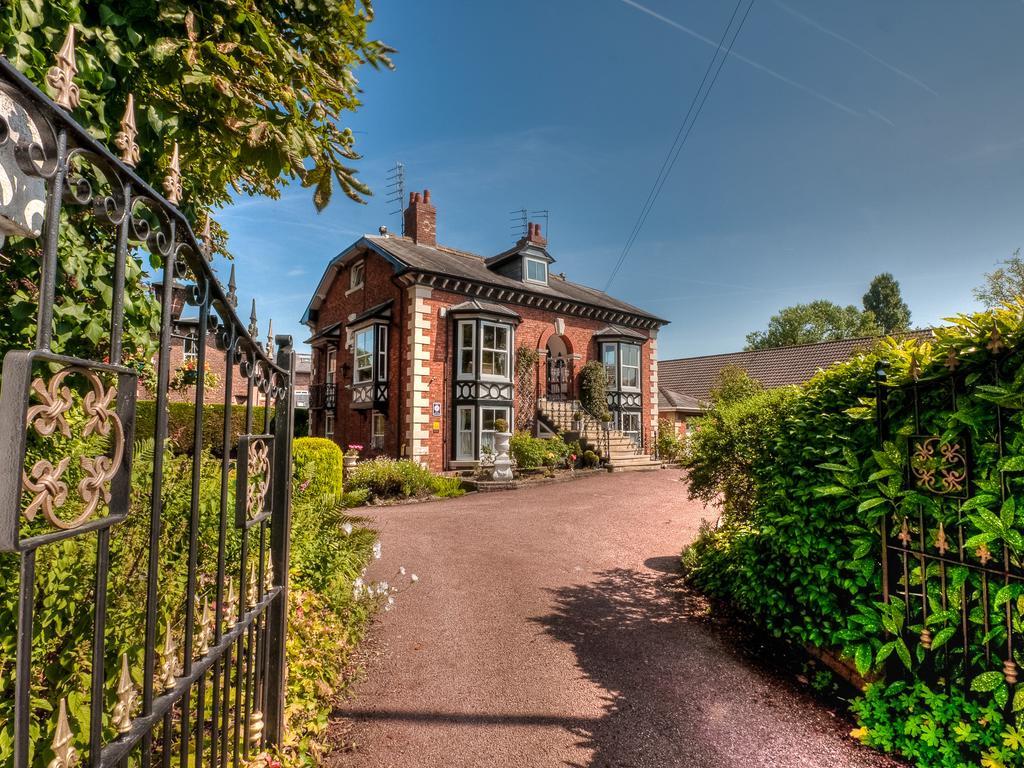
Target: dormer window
{"x":536,"y":271}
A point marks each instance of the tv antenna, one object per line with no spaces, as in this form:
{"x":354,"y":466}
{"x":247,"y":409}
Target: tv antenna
{"x":546,"y":215}
{"x":396,"y":191}
{"x":518,"y":222}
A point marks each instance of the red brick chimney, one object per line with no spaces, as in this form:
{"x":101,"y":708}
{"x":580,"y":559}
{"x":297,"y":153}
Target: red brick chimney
{"x":534,"y":236}
{"x":421,"y":219}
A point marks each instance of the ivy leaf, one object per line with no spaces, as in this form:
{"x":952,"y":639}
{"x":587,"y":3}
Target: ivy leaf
{"x":864,"y":506}
{"x":986,"y":681}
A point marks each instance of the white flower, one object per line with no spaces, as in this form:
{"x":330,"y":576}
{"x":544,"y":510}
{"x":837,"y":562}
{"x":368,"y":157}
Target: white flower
{"x":387,"y":607}
{"x":377,"y":550}
{"x":359,"y":582}
{"x":383,"y":587}
{"x":391,"y":601}
{"x":414,"y":578}
{"x":347,"y":528}
{"x":401,"y":569}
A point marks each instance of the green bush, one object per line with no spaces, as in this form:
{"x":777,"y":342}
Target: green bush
{"x":448,"y":487}
{"x":591,"y":459}
{"x":729,"y":443}
{"x":530,"y":452}
{"x":318,"y":464}
{"x":180,"y":422}
{"x":804,"y":561}
{"x":384,"y":478}
{"x":594,"y":389}
{"x":670,"y":444}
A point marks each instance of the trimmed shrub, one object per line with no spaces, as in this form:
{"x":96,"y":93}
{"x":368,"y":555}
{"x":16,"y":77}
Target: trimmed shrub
{"x":594,"y":389}
{"x":318,"y":466}
{"x":180,"y":419}
{"x":385,"y":478}
{"x":590,"y":459}
{"x":532,"y":452}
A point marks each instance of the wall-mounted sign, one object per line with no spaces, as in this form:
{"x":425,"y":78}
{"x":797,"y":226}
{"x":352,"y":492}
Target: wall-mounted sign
{"x":437,"y":426}
{"x":437,"y":409}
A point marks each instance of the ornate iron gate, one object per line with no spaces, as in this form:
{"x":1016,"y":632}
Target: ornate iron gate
{"x":221,"y":699}
{"x":953,"y":599}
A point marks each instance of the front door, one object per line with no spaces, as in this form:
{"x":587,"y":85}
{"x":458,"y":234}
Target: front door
{"x":559,"y":377}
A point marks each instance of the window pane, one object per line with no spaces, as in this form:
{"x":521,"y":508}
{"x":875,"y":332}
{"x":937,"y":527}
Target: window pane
{"x":364,"y":356}
{"x":500,"y":366}
{"x":501,"y":337}
{"x":466,"y":365}
{"x":536,"y":270}
{"x":630,"y":377}
{"x":489,"y":336}
{"x":487,"y":363}
{"x":631,"y":355}
{"x":466,"y":347}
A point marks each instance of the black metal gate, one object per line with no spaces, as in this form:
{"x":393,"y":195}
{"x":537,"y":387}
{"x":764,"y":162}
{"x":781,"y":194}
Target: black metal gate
{"x":951,"y":580}
{"x":220,"y":698}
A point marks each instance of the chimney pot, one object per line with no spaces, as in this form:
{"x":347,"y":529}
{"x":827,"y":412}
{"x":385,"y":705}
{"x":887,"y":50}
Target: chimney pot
{"x":420,"y":219}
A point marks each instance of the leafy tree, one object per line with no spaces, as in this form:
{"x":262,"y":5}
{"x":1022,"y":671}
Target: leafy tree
{"x":809,"y":323}
{"x":733,"y":384}
{"x":253,"y":93}
{"x":885,"y":301}
{"x":1003,"y":284}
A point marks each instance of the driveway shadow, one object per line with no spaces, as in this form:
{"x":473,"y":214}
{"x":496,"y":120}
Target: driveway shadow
{"x":679,"y":690}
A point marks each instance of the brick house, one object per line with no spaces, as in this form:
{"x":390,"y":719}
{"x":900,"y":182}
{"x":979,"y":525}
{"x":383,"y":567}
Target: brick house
{"x":415,"y":347}
{"x":184,"y":347}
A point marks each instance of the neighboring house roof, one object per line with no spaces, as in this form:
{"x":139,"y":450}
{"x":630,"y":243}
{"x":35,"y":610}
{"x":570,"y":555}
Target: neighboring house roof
{"x":669,"y":400}
{"x":408,"y":256}
{"x":695,"y":376}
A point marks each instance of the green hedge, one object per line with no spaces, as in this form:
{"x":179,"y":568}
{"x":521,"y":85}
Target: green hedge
{"x":804,"y":560}
{"x":318,"y":464}
{"x":180,"y":419}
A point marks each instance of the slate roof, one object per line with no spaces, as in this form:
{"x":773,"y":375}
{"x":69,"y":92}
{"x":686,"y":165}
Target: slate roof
{"x":475,"y":305}
{"x":618,"y":330}
{"x":405,"y":255}
{"x":670,"y":400}
{"x":695,"y":376}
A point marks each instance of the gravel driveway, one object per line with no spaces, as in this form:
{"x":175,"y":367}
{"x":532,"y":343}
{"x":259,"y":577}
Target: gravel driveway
{"x":548,"y":629}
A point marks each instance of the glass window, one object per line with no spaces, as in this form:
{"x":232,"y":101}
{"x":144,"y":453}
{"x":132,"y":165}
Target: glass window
{"x":332,"y":365}
{"x":357,"y":276}
{"x":464,"y":429}
{"x":536,"y":271}
{"x":382,"y":353}
{"x":609,"y":356}
{"x":487,"y":427}
{"x":329,"y":425}
{"x":363,"y":371}
{"x":629,"y":422}
{"x":379,"y":427}
{"x":190,"y":350}
{"x":630,"y":366}
{"x":494,"y":342}
{"x":467,"y":349}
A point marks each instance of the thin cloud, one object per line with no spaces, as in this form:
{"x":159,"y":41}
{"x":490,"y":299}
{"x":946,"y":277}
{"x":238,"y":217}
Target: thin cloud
{"x":883,"y":118}
{"x":859,"y":48}
{"x":749,"y":62}
{"x":295,"y":272}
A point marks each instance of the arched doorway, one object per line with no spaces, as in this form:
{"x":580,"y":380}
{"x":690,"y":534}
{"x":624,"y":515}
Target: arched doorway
{"x":559,"y":370}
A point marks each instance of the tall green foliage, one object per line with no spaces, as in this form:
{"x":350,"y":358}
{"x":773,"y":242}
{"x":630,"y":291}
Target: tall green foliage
{"x":594,"y":389}
{"x":884,"y":300}
{"x":805,"y":562}
{"x":813,"y":322}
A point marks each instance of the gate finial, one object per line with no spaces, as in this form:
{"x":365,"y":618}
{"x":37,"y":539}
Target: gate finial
{"x":61,"y":76}
{"x":270,"y":337}
{"x":172,"y":181}
{"x":64,"y":753}
{"x":254,"y":329}
{"x":125,"y":138}
{"x":126,"y":695}
{"x":232,"y":298}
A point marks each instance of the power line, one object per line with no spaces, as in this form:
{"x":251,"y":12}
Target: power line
{"x":682,"y":134}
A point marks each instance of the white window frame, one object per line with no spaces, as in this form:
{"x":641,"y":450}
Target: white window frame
{"x":463,"y":327}
{"x":381,"y":370}
{"x":461,"y":455}
{"x":633,"y":434}
{"x":329,"y":425}
{"x":190,"y":339}
{"x":370,"y":352}
{"x":332,"y":366}
{"x":378,"y":429}
{"x":527,"y":261}
{"x":357,"y":270}
{"x":507,"y":351}
{"x":487,"y":435}
{"x":611,"y":369}
{"x":623,"y":366}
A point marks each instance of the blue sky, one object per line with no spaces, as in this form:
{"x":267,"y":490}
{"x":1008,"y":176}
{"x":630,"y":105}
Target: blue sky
{"x":842,"y":140}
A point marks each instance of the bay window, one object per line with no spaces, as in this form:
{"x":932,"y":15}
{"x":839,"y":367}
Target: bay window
{"x":630,"y":366}
{"x":494,"y":350}
{"x":363,"y":370}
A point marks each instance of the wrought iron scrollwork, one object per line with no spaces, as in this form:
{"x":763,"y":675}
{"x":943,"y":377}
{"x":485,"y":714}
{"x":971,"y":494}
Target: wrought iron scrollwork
{"x":938,"y":467}
{"x":44,"y":481}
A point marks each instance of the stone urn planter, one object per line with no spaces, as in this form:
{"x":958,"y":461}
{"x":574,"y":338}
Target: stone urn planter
{"x":502,"y":462}
{"x":348,"y":463}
